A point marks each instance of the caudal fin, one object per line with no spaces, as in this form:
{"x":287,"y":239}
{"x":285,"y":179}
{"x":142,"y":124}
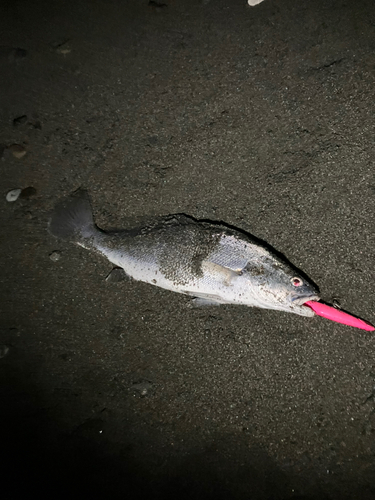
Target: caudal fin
{"x":72,"y":219}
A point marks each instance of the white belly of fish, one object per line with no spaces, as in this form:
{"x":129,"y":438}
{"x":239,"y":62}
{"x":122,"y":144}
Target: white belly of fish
{"x":216,"y":284}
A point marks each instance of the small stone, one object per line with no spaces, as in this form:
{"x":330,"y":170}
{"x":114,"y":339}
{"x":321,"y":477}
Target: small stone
{"x":116,"y":275}
{"x":143,"y":388}
{"x":63,"y":48}
{"x":13,"y":195}
{"x":3,"y":351}
{"x":254,"y":2}
{"x":55,"y":256}
{"x":17,"y":150}
{"x":20,"y":120}
{"x":28,"y":192}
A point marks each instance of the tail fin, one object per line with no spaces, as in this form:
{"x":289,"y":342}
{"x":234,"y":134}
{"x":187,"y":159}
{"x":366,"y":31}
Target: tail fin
{"x":72,"y":219}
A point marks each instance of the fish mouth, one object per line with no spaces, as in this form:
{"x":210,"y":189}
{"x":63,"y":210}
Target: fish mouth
{"x":299,"y":301}
{"x":298,"y":307}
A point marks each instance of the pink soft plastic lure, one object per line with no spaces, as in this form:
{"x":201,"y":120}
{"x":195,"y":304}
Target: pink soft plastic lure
{"x":337,"y":315}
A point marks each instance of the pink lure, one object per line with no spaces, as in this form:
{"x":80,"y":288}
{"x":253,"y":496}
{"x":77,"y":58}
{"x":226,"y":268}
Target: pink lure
{"x":339,"y":316}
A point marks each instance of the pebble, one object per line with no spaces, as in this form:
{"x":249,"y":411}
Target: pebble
{"x":64,"y":48}
{"x":3,"y":351}
{"x":20,"y":120}
{"x":143,"y":388}
{"x":55,"y":256}
{"x":13,"y":195}
{"x":116,"y":275}
{"x":254,"y":2}
{"x":17,"y":150}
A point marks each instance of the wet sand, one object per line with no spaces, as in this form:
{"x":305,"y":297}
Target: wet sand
{"x":260,"y":117}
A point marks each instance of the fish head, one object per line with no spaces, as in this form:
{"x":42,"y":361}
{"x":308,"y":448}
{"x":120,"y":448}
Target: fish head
{"x":280,"y":286}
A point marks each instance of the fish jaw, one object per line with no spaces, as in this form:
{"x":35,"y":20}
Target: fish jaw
{"x":297,"y":305}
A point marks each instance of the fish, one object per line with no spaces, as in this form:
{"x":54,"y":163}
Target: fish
{"x":213,"y":263}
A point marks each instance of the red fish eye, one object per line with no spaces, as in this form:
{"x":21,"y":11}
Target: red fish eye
{"x":296,"y":281}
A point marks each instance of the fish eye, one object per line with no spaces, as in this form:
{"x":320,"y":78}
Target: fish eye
{"x":296,"y":281}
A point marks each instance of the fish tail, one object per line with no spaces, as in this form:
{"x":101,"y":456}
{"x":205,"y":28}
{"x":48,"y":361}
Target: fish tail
{"x":72,"y":219}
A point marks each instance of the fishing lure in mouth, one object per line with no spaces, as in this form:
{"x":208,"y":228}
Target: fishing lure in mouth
{"x":338,"y":316}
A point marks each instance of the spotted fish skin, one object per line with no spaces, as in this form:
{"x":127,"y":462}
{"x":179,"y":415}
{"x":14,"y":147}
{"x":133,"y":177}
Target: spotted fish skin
{"x":212,"y":262}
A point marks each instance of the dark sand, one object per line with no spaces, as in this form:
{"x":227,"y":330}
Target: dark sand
{"x":261,"y":117}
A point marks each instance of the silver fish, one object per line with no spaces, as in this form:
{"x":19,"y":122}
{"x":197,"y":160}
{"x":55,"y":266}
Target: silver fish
{"x":213,"y":263}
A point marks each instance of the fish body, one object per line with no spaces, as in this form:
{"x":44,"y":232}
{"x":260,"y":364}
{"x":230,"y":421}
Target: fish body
{"x":211,"y":262}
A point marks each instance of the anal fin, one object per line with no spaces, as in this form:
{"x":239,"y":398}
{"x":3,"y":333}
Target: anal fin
{"x":116,"y":275}
{"x":200,"y":302}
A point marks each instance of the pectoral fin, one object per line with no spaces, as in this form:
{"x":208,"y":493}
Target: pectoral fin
{"x":204,"y":299}
{"x":221,"y":273}
{"x":200,"y":302}
{"x":116,"y":275}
